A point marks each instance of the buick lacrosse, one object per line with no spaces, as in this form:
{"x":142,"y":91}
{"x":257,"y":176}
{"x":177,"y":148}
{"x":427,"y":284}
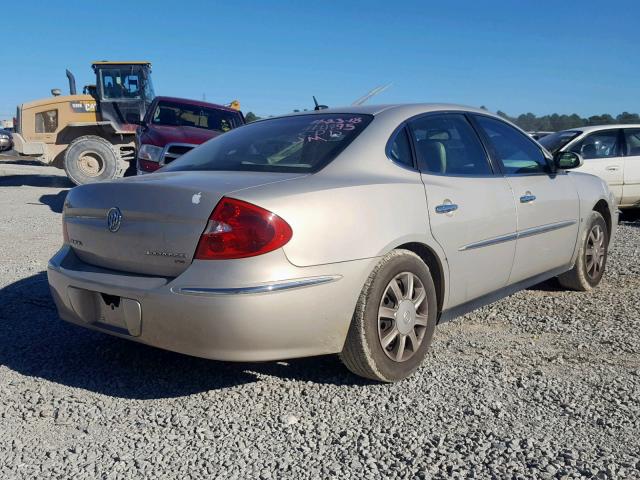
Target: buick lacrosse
{"x":352,"y":231}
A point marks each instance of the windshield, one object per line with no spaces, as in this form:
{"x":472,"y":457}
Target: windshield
{"x":125,"y":82}
{"x":556,"y":141}
{"x":183,"y":115}
{"x":303,"y":143}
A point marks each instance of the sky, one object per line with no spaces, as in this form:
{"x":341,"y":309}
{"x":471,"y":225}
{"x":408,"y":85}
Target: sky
{"x":515,"y":56}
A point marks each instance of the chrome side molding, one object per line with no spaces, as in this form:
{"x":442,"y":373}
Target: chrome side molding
{"x":490,"y":241}
{"x":529,"y":232}
{"x":545,"y":228}
{"x":255,"y":289}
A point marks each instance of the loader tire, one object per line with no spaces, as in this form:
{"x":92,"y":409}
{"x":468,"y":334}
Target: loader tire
{"x":90,"y":159}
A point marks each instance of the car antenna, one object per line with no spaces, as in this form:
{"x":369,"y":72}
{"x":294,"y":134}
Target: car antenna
{"x":371,"y":93}
{"x":317,"y":105}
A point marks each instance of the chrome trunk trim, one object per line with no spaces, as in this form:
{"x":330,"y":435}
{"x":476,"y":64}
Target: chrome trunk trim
{"x":253,"y":289}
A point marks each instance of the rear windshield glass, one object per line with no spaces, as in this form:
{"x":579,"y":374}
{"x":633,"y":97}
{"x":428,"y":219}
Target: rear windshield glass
{"x":556,"y":141}
{"x":302,"y":143}
{"x":183,"y":115}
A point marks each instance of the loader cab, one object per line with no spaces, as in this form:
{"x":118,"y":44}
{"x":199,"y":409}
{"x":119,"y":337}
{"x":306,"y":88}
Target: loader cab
{"x":124,"y":92}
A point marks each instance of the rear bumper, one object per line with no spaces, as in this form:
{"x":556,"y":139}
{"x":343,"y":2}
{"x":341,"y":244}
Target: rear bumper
{"x":209,"y":311}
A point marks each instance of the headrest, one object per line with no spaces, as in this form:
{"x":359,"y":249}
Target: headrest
{"x":434,"y":155}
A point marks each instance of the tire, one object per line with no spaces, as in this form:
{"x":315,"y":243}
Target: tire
{"x":363,"y":352}
{"x":588,"y":271}
{"x":90,"y":159}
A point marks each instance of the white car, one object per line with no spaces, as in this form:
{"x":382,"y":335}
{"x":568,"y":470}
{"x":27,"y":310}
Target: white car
{"x":612,"y":152}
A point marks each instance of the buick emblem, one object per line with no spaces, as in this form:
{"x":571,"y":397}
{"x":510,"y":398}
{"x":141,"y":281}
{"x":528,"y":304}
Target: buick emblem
{"x":114,"y":219}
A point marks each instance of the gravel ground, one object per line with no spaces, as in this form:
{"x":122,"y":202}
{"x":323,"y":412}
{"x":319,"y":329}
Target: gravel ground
{"x":544,"y":384}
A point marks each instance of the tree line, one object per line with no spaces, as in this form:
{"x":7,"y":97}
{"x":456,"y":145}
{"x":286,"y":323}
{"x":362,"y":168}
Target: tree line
{"x":556,"y":122}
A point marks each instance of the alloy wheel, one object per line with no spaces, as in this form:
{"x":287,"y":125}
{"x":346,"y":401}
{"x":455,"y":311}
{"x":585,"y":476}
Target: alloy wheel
{"x":402,"y":316}
{"x":595,"y":252}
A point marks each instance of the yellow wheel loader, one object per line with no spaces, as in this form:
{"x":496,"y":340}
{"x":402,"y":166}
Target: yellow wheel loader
{"x":90,"y":135}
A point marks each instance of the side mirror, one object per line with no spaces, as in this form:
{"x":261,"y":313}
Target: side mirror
{"x":567,"y":160}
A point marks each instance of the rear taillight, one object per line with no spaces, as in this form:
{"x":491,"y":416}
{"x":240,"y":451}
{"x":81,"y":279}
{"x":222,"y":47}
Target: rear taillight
{"x":238,"y":229}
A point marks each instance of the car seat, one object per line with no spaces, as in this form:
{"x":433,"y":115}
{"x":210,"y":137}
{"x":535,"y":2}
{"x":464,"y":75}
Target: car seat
{"x":589,"y":150}
{"x":433,"y":155}
{"x":167,"y":116}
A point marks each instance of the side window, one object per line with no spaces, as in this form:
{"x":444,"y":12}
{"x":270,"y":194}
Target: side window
{"x":47,"y":122}
{"x":598,"y":145}
{"x":632,"y":138}
{"x":447,"y":144}
{"x":518,"y":153}
{"x":400,"y":149}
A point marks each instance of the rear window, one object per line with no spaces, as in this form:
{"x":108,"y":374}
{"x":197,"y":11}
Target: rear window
{"x":302,"y":143}
{"x":183,"y":115}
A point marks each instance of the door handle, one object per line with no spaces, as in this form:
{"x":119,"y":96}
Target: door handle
{"x":446,"y":208}
{"x":613,"y":168}
{"x":527,"y":198}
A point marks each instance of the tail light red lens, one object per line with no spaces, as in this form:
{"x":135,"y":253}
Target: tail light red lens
{"x":238,"y":229}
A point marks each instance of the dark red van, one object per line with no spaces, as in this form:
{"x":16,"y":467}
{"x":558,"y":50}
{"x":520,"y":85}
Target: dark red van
{"x":173,"y":126}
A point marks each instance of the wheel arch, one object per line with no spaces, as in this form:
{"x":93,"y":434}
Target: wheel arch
{"x":432,"y":260}
{"x":602,"y":207}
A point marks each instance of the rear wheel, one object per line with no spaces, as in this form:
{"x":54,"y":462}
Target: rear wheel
{"x":394,"y":320}
{"x":592,"y":257}
{"x":90,"y":159}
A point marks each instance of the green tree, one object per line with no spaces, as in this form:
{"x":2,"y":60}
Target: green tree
{"x":626,"y":117}
{"x":251,"y":117}
{"x":556,"y":122}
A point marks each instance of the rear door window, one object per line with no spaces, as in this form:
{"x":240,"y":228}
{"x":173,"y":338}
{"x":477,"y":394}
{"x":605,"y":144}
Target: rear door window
{"x":447,"y":144}
{"x":399,"y":149}
{"x":301,"y":143}
{"x":632,"y":140}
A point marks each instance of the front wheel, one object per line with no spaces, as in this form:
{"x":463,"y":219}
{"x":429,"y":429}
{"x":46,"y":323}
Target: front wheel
{"x":592,"y":257}
{"x":394,"y":320}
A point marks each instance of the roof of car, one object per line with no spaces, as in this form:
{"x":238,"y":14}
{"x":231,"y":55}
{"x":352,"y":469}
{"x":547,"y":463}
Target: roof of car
{"x":107,"y":62}
{"x":592,"y":128}
{"x":408,"y":108}
{"x":187,"y":101}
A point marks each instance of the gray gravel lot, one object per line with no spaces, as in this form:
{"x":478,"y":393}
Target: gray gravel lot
{"x":544,"y":384}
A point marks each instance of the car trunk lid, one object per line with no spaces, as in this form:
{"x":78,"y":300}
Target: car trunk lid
{"x":150,"y":224}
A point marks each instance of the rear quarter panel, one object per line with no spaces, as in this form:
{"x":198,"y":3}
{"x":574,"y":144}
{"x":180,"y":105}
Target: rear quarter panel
{"x":342,"y":219}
